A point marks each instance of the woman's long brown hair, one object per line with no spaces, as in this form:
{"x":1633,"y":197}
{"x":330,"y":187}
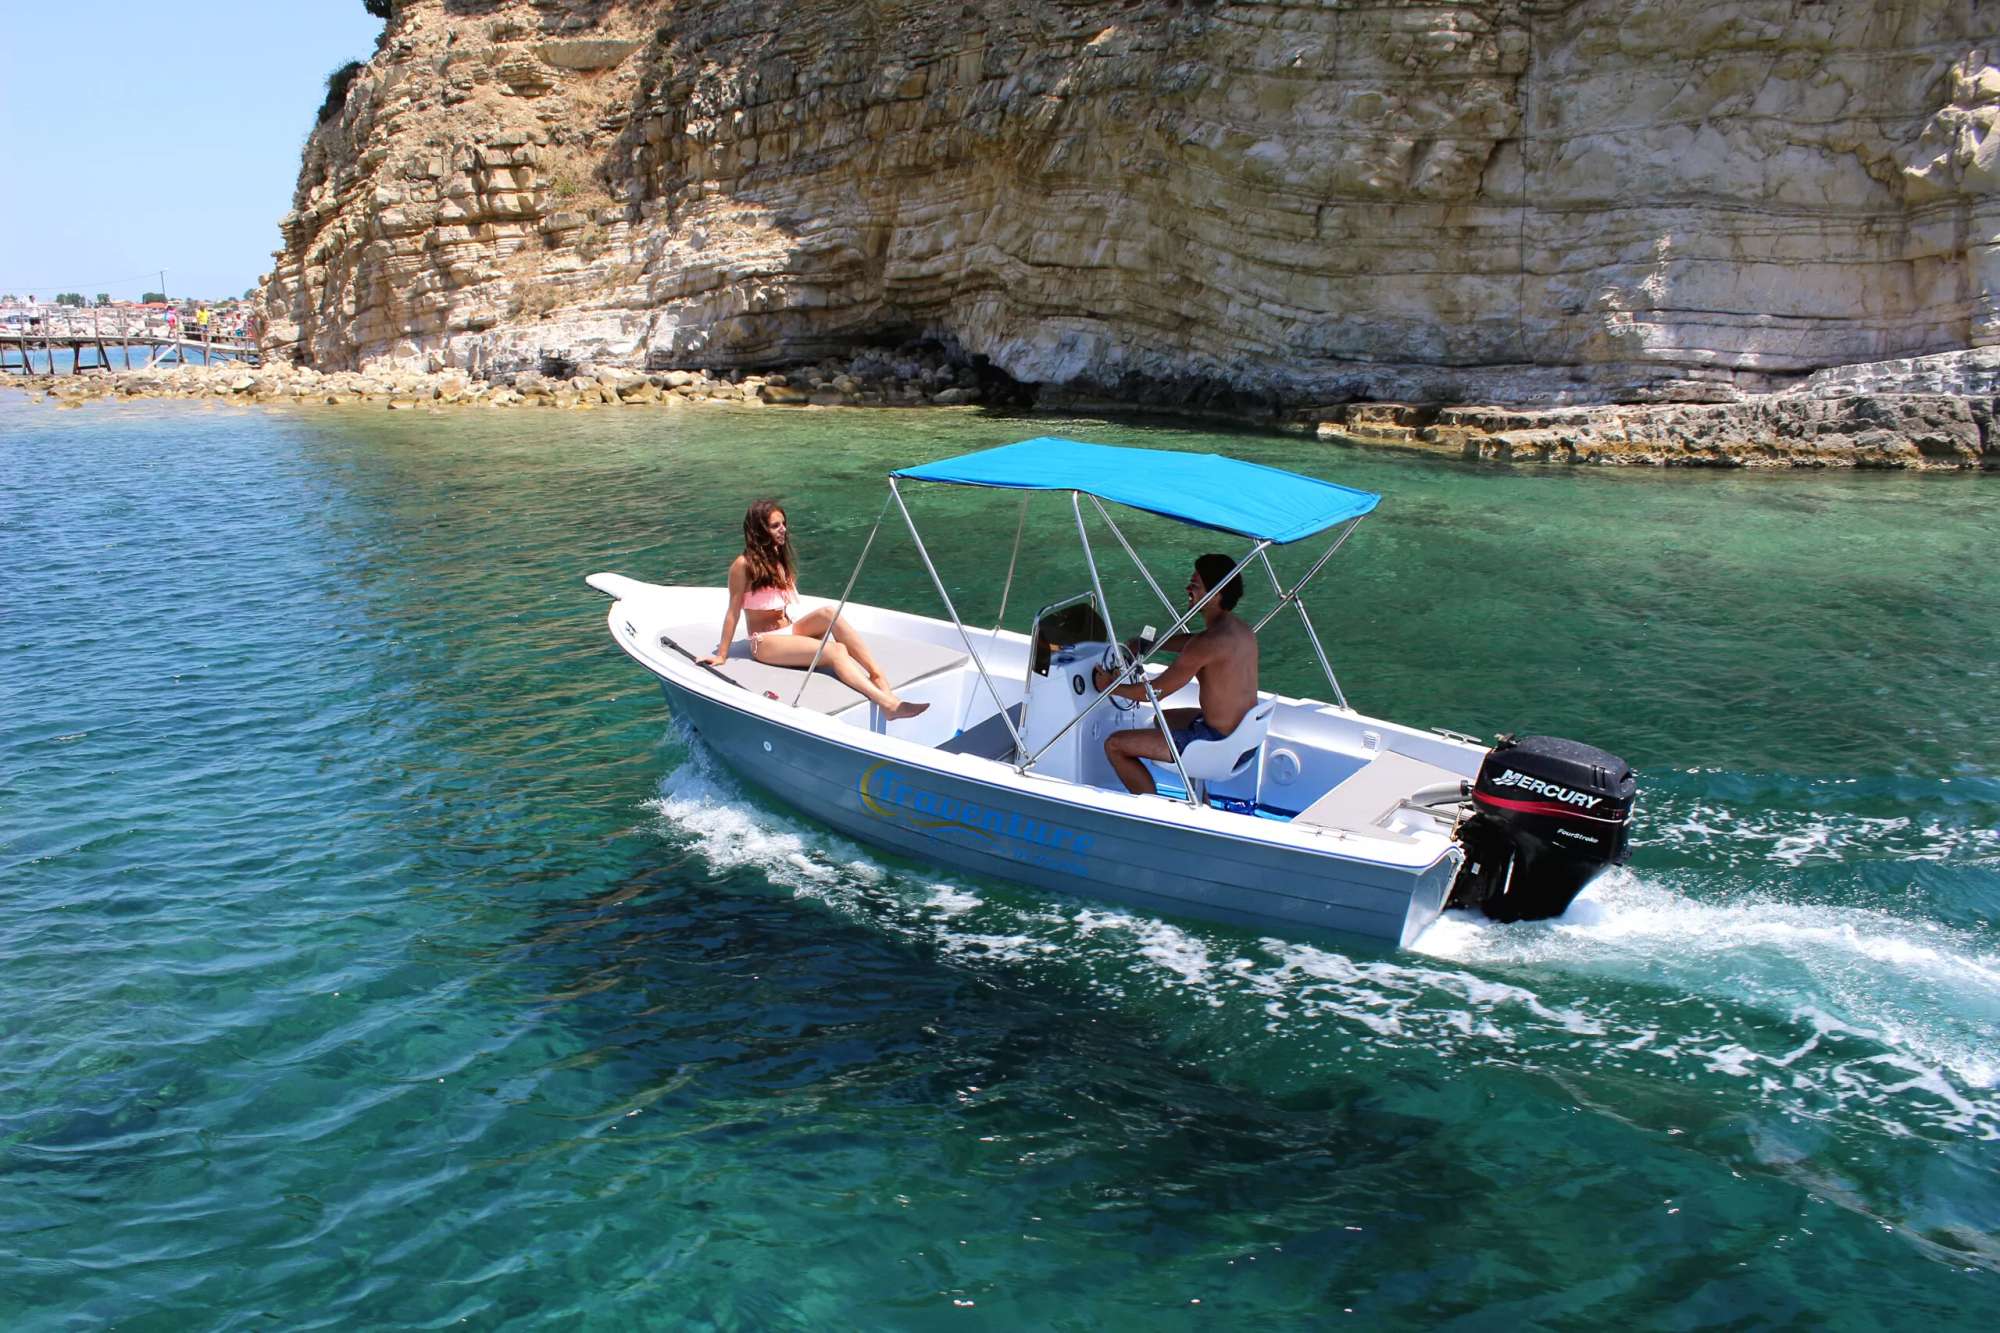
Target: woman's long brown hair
{"x":771,"y":565}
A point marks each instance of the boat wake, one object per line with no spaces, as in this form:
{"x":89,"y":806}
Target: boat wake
{"x":1736,"y":820}
{"x":1926,"y":992}
{"x":1846,"y":1016}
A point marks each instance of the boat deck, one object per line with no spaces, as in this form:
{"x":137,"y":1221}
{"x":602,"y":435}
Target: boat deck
{"x":1363,"y":792}
{"x":906,"y":661}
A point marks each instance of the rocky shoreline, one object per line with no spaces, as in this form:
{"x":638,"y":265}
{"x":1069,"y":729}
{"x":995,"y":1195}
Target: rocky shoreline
{"x":1923,"y":414}
{"x":1906,"y":431}
{"x":869,"y":379}
{"x":1939,"y":412}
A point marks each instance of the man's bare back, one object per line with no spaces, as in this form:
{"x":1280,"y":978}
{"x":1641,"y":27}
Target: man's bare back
{"x":1225,"y":672}
{"x":1221,"y":660}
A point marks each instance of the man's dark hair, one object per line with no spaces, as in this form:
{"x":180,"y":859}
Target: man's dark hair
{"x":1215,"y":568}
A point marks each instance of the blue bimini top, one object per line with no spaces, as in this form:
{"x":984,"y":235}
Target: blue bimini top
{"x":1205,"y":490}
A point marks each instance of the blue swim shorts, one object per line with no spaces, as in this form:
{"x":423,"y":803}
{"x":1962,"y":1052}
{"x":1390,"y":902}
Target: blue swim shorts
{"x":1197,"y":730}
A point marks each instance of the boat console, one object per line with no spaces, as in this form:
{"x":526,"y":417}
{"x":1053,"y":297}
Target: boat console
{"x":1069,"y":638}
{"x":1055,"y":695}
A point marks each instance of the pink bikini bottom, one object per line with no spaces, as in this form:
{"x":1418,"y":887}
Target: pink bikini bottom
{"x":791,"y":626}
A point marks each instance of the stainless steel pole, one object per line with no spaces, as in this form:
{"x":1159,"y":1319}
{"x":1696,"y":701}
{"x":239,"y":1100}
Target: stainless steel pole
{"x":1103,"y":607}
{"x":1318,"y":564}
{"x":897,"y":495}
{"x":1008,"y":586}
{"x":844,"y":592}
{"x":1339,"y":699}
{"x":1144,"y":573}
{"x":1090,"y":559}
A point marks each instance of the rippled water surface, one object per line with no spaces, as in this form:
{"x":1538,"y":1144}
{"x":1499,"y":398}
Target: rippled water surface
{"x":378,"y":952}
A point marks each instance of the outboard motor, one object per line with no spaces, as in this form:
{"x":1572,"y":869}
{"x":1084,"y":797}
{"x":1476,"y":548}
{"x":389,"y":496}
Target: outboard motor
{"x":1549,"y":816}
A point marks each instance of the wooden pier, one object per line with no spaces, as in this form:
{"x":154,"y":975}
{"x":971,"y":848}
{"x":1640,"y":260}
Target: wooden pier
{"x":17,"y":345}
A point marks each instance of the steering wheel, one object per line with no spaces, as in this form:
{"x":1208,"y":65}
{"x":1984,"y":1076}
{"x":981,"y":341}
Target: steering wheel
{"x":1118,"y":662}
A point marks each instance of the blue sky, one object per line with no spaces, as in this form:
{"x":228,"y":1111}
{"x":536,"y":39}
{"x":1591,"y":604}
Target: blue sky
{"x":109,"y":172}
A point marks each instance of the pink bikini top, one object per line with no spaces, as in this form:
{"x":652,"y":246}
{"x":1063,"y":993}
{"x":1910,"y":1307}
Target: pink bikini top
{"x":770,"y":599}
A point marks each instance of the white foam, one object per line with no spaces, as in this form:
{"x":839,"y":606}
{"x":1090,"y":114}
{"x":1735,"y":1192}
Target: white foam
{"x":1006,"y":948}
{"x":1922,"y":990}
{"x":950,"y":901}
{"x":1692,"y":826}
{"x":1172,"y":950}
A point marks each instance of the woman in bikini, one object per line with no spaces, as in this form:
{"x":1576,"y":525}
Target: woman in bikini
{"x":763,"y":585}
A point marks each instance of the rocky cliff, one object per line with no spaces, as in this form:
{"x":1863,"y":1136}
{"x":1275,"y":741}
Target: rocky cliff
{"x":1277,"y":204}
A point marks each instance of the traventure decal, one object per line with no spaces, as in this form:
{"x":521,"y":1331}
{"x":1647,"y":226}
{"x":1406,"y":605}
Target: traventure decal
{"x":888,"y":795}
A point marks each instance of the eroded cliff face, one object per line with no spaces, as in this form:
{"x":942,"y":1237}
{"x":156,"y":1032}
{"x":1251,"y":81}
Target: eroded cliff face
{"x":1491,"y":201}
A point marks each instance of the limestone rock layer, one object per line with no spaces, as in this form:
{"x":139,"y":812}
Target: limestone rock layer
{"x":1279,"y":203}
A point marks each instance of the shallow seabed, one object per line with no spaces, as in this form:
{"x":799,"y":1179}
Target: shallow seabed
{"x":378,"y":953}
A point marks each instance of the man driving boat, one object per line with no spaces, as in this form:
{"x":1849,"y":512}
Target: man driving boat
{"x":1222,"y":659}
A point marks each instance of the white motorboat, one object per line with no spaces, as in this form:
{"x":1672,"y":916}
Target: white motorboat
{"x":1309,"y":817}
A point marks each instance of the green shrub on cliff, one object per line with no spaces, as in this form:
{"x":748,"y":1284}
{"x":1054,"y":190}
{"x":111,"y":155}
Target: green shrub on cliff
{"x":337,"y":84}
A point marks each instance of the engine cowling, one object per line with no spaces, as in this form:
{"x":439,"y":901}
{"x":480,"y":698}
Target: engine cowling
{"x":1549,"y":816}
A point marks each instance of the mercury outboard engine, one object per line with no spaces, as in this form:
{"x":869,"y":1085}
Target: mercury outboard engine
{"x":1548,"y":817}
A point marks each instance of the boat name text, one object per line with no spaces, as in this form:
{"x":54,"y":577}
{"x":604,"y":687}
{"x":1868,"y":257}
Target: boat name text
{"x":888,"y":795}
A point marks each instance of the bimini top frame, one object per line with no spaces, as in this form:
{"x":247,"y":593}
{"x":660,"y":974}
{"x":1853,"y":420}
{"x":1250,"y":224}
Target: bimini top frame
{"x":1267,"y":505}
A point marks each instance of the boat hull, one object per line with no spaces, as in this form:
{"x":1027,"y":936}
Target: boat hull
{"x":955,"y":820}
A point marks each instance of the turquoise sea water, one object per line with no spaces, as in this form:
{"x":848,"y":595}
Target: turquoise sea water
{"x":376,"y":951}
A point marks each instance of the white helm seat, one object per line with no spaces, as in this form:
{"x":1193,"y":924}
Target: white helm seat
{"x":1232,"y":756}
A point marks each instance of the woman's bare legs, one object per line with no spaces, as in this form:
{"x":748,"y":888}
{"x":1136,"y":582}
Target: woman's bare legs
{"x":796,"y":650}
{"x":813,"y":625}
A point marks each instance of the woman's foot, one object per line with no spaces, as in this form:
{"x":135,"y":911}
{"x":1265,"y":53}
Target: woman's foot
{"x":902,"y":710}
